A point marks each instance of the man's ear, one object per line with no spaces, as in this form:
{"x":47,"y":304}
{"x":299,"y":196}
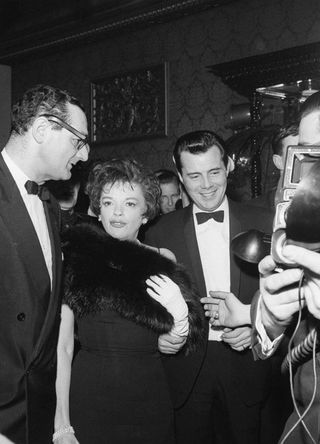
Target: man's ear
{"x":179,"y":174}
{"x":278,"y":162}
{"x":39,"y":129}
{"x":230,"y":165}
{"x":180,"y":177}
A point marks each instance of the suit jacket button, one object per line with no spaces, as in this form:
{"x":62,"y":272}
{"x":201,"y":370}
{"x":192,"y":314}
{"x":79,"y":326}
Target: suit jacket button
{"x":21,"y":317}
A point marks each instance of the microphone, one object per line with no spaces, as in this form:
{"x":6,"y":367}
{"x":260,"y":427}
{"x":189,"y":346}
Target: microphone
{"x":251,"y":246}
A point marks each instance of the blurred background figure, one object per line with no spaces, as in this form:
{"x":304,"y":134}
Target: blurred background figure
{"x":284,"y":137}
{"x":287,"y":136}
{"x":170,"y":191}
{"x":66,"y":193}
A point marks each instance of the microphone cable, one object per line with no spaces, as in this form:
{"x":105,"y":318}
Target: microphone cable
{"x":295,"y":356}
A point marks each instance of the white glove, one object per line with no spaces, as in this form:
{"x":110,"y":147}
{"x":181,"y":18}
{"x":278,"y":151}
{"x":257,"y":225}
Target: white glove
{"x":168,"y":294}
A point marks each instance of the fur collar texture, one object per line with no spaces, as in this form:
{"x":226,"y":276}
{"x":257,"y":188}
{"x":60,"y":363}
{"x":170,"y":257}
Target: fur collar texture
{"x":105,"y":273}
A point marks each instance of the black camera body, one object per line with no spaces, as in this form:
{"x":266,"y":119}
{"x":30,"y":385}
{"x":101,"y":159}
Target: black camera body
{"x":290,"y":212}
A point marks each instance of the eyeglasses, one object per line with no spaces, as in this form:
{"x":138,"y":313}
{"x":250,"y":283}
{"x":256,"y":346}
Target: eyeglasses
{"x":81,"y":140}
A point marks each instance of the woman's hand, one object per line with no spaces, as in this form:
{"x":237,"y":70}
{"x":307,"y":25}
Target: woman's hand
{"x":162,"y":288}
{"x":67,"y":438}
{"x":167,"y":293}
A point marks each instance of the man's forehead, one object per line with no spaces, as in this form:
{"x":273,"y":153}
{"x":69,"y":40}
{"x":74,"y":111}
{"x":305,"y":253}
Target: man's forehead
{"x":169,"y":186}
{"x":78,"y":118}
{"x":203,"y":159}
{"x":309,"y":129}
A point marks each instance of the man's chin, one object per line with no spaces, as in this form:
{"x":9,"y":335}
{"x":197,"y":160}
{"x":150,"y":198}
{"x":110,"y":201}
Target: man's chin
{"x":67,"y":174}
{"x":209,"y":206}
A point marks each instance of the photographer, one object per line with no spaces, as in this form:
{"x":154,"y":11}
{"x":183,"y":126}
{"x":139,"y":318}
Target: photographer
{"x":279,"y":307}
{"x":272,"y":311}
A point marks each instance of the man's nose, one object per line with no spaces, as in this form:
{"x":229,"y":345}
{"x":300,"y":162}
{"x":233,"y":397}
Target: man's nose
{"x":205,"y":182}
{"x":83,"y":153}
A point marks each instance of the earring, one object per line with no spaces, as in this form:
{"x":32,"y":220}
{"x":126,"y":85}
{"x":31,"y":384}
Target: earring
{"x":99,"y":218}
{"x":144,"y":221}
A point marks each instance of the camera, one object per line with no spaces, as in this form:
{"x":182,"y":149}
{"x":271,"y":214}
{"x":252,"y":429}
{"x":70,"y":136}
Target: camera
{"x":295,"y":217}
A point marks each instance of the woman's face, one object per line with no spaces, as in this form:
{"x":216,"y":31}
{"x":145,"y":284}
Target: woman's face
{"x":122,"y":210}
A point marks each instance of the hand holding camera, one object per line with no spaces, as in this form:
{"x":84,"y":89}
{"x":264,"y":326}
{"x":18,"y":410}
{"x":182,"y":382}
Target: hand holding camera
{"x":297,"y":215}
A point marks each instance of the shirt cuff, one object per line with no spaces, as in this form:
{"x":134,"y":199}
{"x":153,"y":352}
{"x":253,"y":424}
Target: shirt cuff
{"x":267,"y":345}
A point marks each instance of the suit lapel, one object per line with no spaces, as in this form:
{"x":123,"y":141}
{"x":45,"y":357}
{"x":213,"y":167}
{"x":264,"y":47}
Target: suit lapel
{"x":235,"y":228}
{"x":193,"y":250}
{"x":25,"y":240}
{"x":20,"y":228}
{"x":54,"y":299}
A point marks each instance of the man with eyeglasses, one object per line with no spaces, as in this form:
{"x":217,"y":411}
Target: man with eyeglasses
{"x":49,"y":135}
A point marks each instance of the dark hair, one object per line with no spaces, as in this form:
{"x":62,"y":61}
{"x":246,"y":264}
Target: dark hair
{"x":198,"y":142}
{"x":124,"y":171}
{"x":167,"y":176}
{"x":42,"y":99}
{"x":291,"y":129}
{"x":310,"y":105}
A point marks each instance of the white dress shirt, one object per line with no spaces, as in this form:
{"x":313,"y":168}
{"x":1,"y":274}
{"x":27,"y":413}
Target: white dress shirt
{"x":35,"y":209}
{"x":214,"y":247}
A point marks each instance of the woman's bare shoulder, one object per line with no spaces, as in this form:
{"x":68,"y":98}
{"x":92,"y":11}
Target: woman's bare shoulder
{"x":164,"y":252}
{"x":168,"y":254}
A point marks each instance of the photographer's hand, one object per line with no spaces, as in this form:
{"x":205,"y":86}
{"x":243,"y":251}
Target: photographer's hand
{"x":279,"y":296}
{"x":310,"y":262}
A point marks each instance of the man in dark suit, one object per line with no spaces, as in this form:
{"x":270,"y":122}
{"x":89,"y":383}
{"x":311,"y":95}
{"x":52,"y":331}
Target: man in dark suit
{"x":48,"y":136}
{"x":274,"y":310}
{"x":218,"y":391}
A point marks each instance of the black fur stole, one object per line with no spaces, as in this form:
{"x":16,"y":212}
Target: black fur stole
{"x":105,"y":273}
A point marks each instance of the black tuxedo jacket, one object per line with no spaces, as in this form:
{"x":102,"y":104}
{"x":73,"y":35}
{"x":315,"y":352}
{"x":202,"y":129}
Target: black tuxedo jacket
{"x":29,"y":319}
{"x":176,"y":232}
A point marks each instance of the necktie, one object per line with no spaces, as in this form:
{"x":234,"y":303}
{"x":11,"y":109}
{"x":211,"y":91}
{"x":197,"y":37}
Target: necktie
{"x":218,"y":216}
{"x":39,"y":190}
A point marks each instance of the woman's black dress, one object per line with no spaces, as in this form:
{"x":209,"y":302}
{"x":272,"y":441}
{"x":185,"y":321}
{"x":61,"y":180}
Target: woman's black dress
{"x":119,"y":392}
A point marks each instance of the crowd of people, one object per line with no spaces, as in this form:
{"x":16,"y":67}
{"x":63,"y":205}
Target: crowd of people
{"x":106,"y":338}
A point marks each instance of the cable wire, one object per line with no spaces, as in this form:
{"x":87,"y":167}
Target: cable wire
{"x":293,"y":357}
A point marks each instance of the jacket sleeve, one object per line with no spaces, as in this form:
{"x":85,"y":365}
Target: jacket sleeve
{"x":197,"y":322}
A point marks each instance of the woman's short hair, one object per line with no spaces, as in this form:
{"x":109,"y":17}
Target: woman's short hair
{"x":124,"y":171}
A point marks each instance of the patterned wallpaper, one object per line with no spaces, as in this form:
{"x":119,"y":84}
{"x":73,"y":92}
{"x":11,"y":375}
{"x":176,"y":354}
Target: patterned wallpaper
{"x":197,"y":100}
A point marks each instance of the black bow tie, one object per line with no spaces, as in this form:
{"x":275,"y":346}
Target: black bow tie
{"x":218,"y":216}
{"x":39,"y":190}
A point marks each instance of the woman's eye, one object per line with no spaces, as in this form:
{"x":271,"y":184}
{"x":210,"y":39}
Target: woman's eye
{"x":106,"y":203}
{"x":131,"y":204}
